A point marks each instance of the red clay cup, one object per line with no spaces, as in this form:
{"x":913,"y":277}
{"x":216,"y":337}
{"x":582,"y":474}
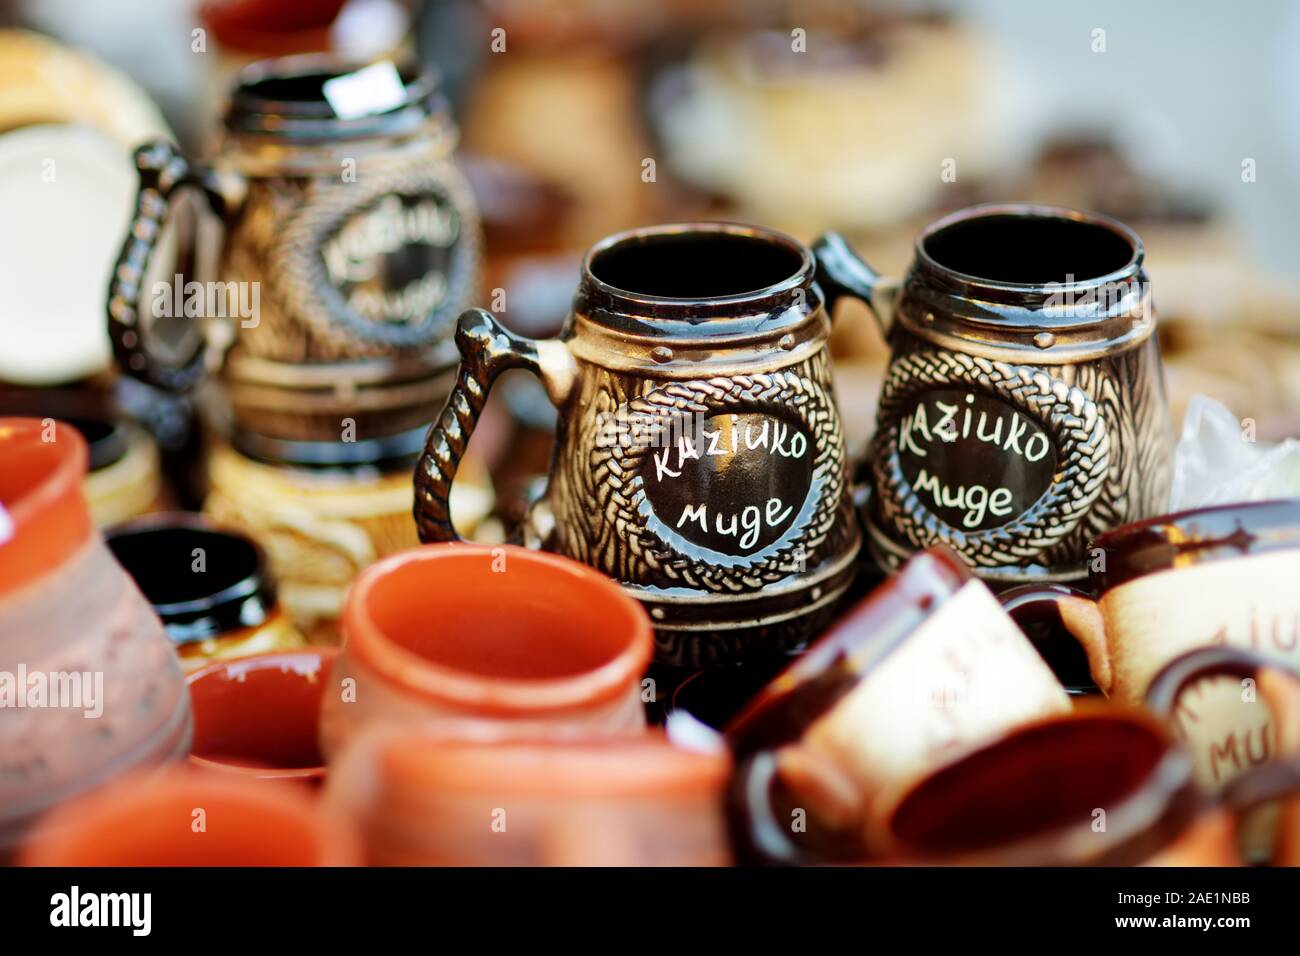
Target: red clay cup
{"x":185,"y":817}
{"x":454,"y":632}
{"x":259,"y":716}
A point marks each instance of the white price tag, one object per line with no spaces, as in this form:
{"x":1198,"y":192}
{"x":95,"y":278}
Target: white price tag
{"x":370,"y":90}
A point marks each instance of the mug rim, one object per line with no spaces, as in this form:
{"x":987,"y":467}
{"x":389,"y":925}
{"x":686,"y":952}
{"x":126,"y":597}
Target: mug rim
{"x":199,"y":619}
{"x":1028,"y":210}
{"x":323,"y":655}
{"x":1181,"y":539}
{"x":403,"y":668}
{"x":670,"y":316}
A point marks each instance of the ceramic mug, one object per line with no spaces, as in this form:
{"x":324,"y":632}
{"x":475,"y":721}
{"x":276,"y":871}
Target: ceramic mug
{"x":925,"y":668}
{"x":1099,"y":785}
{"x":1166,"y":585}
{"x":150,"y":821}
{"x":455,"y":633}
{"x":89,"y":686}
{"x":259,"y":716}
{"x":351,"y":243}
{"x":1234,"y":709}
{"x":1023,"y":409}
{"x":212,"y":587}
{"x":699,"y":458}
{"x":481,"y":798}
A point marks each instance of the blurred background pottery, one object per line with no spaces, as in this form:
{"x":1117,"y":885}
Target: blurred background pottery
{"x":457,"y":632}
{"x":259,"y":716}
{"x":324,"y":511}
{"x":73,"y":620}
{"x":350,"y":235}
{"x":212,"y":587}
{"x":424,"y":799}
{"x":192,"y":818}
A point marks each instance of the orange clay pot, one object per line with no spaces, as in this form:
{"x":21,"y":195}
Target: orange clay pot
{"x":488,"y":798}
{"x":458,"y":631}
{"x":259,"y":716}
{"x":71,"y":618}
{"x":191,"y":818}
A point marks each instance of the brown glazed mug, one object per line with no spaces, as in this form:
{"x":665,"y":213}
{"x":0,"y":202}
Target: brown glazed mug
{"x":211,"y":586}
{"x":699,"y":457}
{"x":1023,"y":409}
{"x":351,"y":243}
{"x":1212,"y":576}
{"x":1100,"y":785}
{"x":461,"y":633}
{"x":927,"y":667}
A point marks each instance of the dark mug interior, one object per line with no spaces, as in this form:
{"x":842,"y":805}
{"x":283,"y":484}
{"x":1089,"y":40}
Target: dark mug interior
{"x":1028,"y":797}
{"x":701,"y":263}
{"x":1029,"y":248}
{"x":202,"y":581}
{"x":260,"y":715}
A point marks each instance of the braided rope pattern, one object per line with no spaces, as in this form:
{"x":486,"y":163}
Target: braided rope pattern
{"x":1073,"y":421}
{"x":300,"y":281}
{"x":619,"y":488}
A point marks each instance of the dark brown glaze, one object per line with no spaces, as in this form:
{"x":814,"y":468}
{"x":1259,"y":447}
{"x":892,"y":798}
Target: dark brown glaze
{"x":860,"y":641}
{"x":1192,"y":537}
{"x":1023,"y":409}
{"x":1029,"y":798}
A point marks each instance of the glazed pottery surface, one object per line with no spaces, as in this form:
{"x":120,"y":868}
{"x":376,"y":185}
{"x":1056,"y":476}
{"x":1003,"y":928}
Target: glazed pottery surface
{"x":89,"y":683}
{"x":699,"y":456}
{"x":421,"y":799}
{"x":925,"y":668}
{"x":462,"y":632}
{"x":212,"y":587}
{"x":1218,"y":577}
{"x":259,"y":716}
{"x":1023,"y":410}
{"x":153,"y":821}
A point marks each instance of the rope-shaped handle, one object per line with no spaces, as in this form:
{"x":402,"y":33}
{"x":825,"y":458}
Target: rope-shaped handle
{"x":487,"y":349}
{"x":162,"y":171}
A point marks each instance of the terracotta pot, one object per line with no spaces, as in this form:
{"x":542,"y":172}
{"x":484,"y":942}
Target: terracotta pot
{"x":259,"y":716}
{"x":467,"y":631}
{"x":926,"y":668}
{"x":212,"y":587}
{"x":485,"y":798}
{"x":190,"y":818}
{"x":67,"y":610}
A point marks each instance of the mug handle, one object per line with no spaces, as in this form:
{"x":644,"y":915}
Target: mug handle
{"x":842,"y":272}
{"x":1079,"y":613}
{"x":163,"y":171}
{"x":487,"y":349}
{"x":1279,"y":687}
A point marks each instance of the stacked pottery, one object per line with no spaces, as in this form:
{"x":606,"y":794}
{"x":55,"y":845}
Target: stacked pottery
{"x":89,"y":686}
{"x":351,"y":243}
